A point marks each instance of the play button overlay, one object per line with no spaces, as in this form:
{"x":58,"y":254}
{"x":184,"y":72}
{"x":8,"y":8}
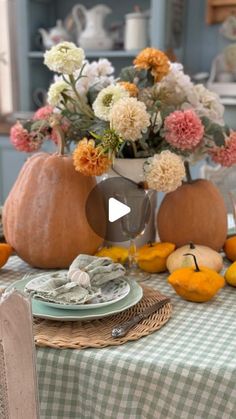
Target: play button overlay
{"x":117,"y":209}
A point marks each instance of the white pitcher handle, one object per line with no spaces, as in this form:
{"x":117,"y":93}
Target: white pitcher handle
{"x":40,"y":97}
{"x":79,"y":8}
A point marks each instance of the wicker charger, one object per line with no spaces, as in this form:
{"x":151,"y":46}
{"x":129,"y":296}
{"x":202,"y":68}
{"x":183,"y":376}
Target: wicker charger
{"x":97,"y":333}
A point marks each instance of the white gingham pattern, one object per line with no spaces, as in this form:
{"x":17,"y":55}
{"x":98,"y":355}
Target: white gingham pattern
{"x":187,"y":369}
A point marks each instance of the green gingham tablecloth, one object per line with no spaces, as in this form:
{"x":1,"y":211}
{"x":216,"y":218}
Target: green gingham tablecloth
{"x":187,"y":369}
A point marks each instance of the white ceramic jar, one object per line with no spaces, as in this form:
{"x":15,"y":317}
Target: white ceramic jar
{"x":136,"y":30}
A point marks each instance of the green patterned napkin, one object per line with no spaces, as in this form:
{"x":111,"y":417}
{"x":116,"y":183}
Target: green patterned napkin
{"x":80,"y":284}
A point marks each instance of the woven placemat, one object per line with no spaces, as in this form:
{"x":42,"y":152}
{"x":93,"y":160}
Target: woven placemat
{"x":97,"y":333}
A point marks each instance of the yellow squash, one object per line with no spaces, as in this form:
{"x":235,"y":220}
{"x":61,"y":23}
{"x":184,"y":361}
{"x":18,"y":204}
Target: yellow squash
{"x":230,"y":275}
{"x":116,"y":253}
{"x":152,"y":257}
{"x":5,"y":253}
{"x":196,"y":284}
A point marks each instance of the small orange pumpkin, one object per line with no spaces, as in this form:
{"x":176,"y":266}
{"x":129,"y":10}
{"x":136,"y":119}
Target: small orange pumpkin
{"x":197,"y":284}
{"x":5,"y":253}
{"x":116,"y":253}
{"x":152,"y":256}
{"x":44,"y":217}
{"x":230,"y":275}
{"x":230,"y":248}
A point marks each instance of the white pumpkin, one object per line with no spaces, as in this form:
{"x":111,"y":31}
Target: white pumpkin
{"x":205,"y":257}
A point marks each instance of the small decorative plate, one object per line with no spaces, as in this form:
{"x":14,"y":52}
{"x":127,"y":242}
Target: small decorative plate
{"x":111,"y":292}
{"x":45,"y":312}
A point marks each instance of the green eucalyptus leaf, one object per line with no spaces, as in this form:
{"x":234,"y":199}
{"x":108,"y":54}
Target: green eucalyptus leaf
{"x":27,"y":125}
{"x":92,"y":94}
{"x":141,"y":74}
{"x":213,"y":129}
{"x":206,"y":122}
{"x":144,"y":78}
{"x":219,"y":138}
{"x":150,"y":79}
{"x":227,"y":130}
{"x":166,"y":111}
{"x":127,"y":74}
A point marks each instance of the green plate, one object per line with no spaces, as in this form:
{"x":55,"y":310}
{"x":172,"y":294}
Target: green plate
{"x":47,"y":312}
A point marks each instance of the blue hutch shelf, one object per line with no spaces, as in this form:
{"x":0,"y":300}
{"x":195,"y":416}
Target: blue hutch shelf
{"x":33,"y":14}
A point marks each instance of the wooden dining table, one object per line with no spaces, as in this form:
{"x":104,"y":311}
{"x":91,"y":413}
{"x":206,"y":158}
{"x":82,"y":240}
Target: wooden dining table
{"x":187,"y":369}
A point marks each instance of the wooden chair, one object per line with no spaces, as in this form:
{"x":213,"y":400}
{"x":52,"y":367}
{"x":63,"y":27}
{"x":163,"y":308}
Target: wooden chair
{"x":18,"y":383}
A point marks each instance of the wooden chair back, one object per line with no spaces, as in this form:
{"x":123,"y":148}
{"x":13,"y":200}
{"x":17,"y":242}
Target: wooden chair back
{"x":18,"y":382}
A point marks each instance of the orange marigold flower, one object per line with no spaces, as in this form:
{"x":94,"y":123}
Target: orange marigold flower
{"x":130,"y":87}
{"x":154,"y":60}
{"x":89,"y":159}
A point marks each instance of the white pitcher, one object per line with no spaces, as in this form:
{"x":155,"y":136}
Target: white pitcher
{"x":90,"y":27}
{"x":54,"y":35}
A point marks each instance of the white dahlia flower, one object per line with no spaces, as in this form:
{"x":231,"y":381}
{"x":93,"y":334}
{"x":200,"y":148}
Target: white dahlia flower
{"x":129,"y":118}
{"x":164,"y":172}
{"x":55,"y":92}
{"x":105,"y":100}
{"x":64,"y":58}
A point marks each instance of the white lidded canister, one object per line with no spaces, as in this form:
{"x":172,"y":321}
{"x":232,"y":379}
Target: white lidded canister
{"x":136,"y":30}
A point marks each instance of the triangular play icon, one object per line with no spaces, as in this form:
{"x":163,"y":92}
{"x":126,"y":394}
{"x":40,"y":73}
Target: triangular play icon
{"x":116,"y":210}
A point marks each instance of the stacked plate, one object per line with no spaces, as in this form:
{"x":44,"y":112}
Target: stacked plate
{"x":116,"y":296}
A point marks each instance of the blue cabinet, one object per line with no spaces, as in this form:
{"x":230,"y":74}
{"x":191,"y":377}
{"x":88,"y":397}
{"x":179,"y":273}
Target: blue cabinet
{"x":33,"y":14}
{"x":11,"y":162}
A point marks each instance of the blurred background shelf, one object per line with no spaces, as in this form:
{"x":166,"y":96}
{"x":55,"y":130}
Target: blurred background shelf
{"x":93,"y":54}
{"x":165,"y":28}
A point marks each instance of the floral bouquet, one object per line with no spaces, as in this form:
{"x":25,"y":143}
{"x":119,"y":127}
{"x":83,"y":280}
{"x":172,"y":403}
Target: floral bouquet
{"x":151,"y":110}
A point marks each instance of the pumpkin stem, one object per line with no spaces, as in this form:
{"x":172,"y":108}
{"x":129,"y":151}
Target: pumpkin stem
{"x":60,"y":138}
{"x":150,"y":243}
{"x":191,"y":245}
{"x":187,"y":171}
{"x":195,"y":261}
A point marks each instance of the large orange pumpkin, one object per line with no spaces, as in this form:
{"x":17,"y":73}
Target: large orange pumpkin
{"x":44,"y":216}
{"x":194,"y":212}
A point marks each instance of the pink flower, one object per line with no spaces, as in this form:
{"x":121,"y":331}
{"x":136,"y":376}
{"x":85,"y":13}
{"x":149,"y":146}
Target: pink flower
{"x":225,"y":155}
{"x":183,"y":129}
{"x":43,"y":113}
{"x":23,"y":140}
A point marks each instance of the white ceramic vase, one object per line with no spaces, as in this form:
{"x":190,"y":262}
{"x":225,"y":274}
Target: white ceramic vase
{"x":133,"y":169}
